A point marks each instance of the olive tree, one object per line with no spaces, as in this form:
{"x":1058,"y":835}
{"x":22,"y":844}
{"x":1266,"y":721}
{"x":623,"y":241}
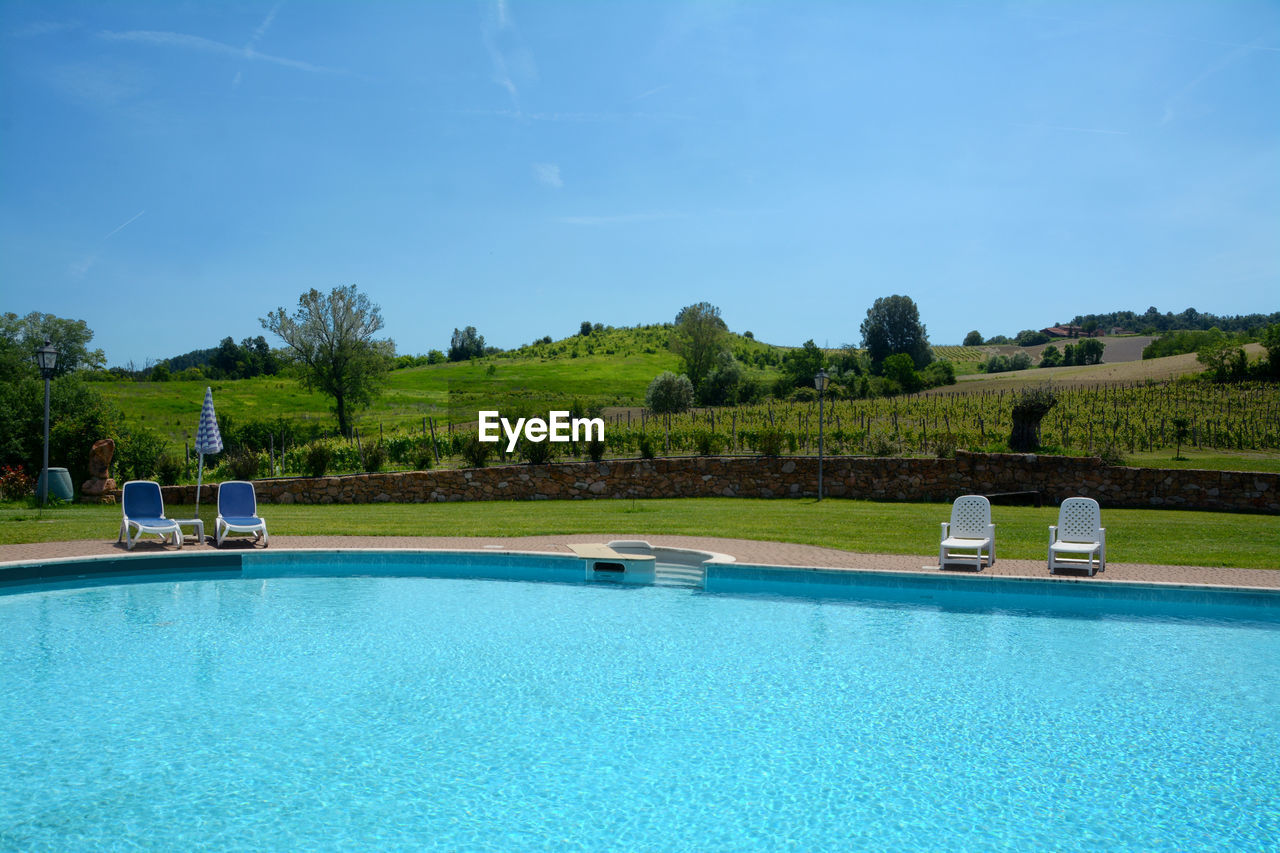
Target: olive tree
{"x":1029,"y":408}
{"x":667,"y":395}
{"x":331,"y":337}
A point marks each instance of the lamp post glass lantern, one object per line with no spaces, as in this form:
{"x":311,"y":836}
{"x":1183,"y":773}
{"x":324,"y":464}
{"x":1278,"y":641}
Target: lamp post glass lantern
{"x":47,"y":360}
{"x":820,"y":382}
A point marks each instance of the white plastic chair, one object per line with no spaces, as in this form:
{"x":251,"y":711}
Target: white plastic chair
{"x":970,"y":529}
{"x":1079,"y":532}
{"x":238,"y":512}
{"x":142,"y":509}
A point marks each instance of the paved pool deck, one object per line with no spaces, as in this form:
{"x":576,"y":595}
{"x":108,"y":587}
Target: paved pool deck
{"x":743,"y":550}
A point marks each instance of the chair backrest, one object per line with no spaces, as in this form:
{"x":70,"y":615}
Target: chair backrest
{"x":1079,"y":520}
{"x":237,"y":499}
{"x":970,"y":515}
{"x":142,"y":499}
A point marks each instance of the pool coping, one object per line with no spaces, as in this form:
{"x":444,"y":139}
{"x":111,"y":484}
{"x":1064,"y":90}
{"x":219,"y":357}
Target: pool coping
{"x":747,"y":554}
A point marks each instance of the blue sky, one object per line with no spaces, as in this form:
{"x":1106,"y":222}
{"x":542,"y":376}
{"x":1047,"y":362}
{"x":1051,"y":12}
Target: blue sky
{"x":169,"y":172}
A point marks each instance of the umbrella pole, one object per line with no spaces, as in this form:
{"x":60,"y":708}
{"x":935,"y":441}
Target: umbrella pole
{"x":199,"y":475}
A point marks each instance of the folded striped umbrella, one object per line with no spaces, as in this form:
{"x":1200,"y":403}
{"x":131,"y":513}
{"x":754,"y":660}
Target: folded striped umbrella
{"x":208,"y":439}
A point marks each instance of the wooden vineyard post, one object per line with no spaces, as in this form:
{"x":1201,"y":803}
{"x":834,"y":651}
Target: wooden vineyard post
{"x":435,"y":447}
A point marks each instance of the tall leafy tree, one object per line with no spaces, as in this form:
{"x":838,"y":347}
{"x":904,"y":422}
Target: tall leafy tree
{"x":331,"y":336}
{"x":698,"y":338}
{"x":19,"y":337}
{"x":893,"y":326}
{"x":801,"y":365}
{"x":466,"y":344}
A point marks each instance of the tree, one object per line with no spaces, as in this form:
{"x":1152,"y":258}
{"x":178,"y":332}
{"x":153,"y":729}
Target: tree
{"x":724,"y":384}
{"x":466,"y":344}
{"x":19,"y":338}
{"x":226,"y":359}
{"x":585,"y":328}
{"x":1180,"y":426}
{"x":1050,"y":356}
{"x":1089,"y":351}
{"x":893,"y":326}
{"x":1030,"y":338}
{"x":1224,"y":362}
{"x":698,"y":338}
{"x":901,"y":369}
{"x":1271,"y":341}
{"x":801,"y":365}
{"x":1029,"y":408}
{"x":332,"y":338}
{"x":973,"y":339}
{"x":667,"y":395}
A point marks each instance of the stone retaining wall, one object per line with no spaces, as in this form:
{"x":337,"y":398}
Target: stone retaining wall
{"x":871,"y":478}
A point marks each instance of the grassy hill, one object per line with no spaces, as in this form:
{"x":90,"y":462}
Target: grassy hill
{"x":608,"y":368}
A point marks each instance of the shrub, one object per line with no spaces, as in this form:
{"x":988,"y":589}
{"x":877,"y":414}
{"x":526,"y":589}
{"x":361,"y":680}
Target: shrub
{"x":880,"y":445}
{"x":375,"y":457}
{"x":1112,"y":454}
{"x":645,"y":446}
{"x":944,"y":445}
{"x":15,"y":483}
{"x":476,"y":452}
{"x":422,"y":456}
{"x":769,"y":442}
{"x":536,"y":452}
{"x":595,"y":450}
{"x":169,"y":469}
{"x":138,"y":453}
{"x":708,"y":443}
{"x":244,"y":464}
{"x":940,"y":372}
{"x":316,"y":459}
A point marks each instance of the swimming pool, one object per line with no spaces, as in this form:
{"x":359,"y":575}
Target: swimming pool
{"x":386,"y":711}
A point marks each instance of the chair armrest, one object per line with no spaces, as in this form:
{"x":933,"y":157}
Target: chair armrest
{"x":946,"y":528}
{"x":1053,"y":533}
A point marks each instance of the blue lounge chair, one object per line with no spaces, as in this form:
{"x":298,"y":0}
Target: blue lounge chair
{"x":143,"y":510}
{"x":238,"y":512}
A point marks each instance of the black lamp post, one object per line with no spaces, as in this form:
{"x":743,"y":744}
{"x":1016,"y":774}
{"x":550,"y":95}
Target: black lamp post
{"x":47,"y":360}
{"x":820,"y":382}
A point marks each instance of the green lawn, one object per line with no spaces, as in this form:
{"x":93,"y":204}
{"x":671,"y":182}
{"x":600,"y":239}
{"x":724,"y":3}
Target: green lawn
{"x":1134,"y":535}
{"x":1207,"y":460}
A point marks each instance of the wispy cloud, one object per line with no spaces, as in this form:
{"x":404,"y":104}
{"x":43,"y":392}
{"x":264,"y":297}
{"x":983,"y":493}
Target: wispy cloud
{"x":201,"y":44}
{"x":548,"y":174}
{"x":507,"y":57}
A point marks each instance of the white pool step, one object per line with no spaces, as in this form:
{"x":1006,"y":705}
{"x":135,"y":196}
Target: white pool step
{"x":670,"y":574}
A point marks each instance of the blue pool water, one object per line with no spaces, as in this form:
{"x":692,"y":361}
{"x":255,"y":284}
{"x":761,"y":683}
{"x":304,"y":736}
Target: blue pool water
{"x":415,"y":713}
